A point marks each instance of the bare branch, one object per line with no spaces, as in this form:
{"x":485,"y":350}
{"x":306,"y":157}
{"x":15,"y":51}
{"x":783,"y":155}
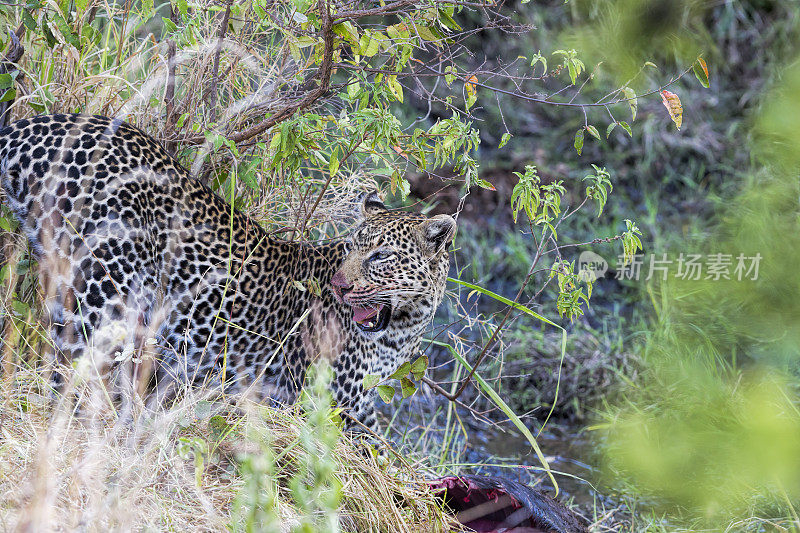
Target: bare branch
{"x":14,"y":54}
{"x":223,"y":28}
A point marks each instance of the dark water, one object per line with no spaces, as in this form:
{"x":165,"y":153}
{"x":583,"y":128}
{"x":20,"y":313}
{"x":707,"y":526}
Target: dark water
{"x":496,"y":449}
{"x":566,"y":450}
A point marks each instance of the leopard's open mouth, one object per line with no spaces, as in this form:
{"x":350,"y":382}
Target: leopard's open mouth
{"x":372,"y":318}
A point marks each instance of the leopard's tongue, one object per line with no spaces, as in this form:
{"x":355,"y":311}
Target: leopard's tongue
{"x":364,"y":314}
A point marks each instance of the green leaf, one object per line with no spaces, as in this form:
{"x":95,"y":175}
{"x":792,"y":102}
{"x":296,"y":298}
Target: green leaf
{"x":395,"y":88}
{"x":28,"y":20}
{"x":346,"y":30}
{"x":624,"y":125}
{"x":610,"y":128}
{"x":505,"y":139}
{"x":599,"y":187}
{"x":405,"y":187}
{"x":579,"y":141}
{"x":407,"y":387}
{"x":630,"y":242}
{"x":573,"y":72}
{"x":183,"y":7}
{"x":369,"y":44}
{"x":203,"y":409}
{"x":66,"y":31}
{"x":386,"y":392}
{"x":449,"y":74}
{"x":593,"y":132}
{"x":219,"y":427}
{"x":419,"y":367}
{"x":399,"y":183}
{"x":425,"y":32}
{"x":20,"y":308}
{"x":483,"y":184}
{"x":396,"y":31}
{"x":701,"y":72}
{"x":305,"y":41}
{"x":294,"y":49}
{"x":630,"y":96}
{"x":7,"y":95}
{"x":248,"y":175}
{"x":301,"y":5}
{"x":539,"y":58}
{"x":333,"y":166}
{"x":80,"y":7}
{"x":48,"y":35}
{"x":169,"y":26}
{"x":471,"y":98}
{"x":402,"y":371}
{"x":446,"y":19}
{"x":370,"y":381}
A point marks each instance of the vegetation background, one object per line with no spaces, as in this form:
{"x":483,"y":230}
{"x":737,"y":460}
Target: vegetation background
{"x":675,"y":402}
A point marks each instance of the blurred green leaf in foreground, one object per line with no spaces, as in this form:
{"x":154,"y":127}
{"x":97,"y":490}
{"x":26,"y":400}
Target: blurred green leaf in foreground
{"x":711,"y":430}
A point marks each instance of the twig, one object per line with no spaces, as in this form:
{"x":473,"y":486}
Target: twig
{"x":574,"y":245}
{"x":15,"y":48}
{"x":14,"y":54}
{"x":169,"y":93}
{"x":125,"y":11}
{"x":477,"y":414}
{"x":223,"y":28}
{"x":383,"y":10}
{"x":561,"y":104}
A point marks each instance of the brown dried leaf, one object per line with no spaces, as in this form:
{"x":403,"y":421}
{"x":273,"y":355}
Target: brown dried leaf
{"x":673,"y":105}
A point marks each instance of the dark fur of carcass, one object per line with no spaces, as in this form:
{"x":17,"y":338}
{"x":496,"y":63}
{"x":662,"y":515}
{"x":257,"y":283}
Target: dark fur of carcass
{"x":491,"y":504}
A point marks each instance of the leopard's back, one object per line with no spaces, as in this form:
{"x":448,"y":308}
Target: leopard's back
{"x":128,"y":240}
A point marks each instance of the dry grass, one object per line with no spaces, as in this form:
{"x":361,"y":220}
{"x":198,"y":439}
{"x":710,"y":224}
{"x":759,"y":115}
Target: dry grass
{"x":62,"y":473}
{"x":95,"y":472}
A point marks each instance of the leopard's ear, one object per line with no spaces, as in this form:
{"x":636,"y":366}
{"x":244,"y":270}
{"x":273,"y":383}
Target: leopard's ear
{"x":436,"y":232}
{"x":370,"y":204}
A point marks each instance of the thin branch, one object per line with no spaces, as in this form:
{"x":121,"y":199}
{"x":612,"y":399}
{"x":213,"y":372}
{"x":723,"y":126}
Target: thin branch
{"x":169,"y":93}
{"x":13,"y":55}
{"x":528,"y":98}
{"x":587,"y":243}
{"x":383,"y":10}
{"x":223,"y":28}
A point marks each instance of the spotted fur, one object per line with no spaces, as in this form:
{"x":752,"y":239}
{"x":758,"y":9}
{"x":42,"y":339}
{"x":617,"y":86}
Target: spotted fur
{"x":125,"y":236}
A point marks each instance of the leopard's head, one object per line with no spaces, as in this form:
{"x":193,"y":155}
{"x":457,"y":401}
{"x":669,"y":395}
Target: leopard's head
{"x":394,"y":276}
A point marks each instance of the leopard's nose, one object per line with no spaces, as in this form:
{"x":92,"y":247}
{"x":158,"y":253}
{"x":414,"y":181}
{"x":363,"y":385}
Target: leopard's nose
{"x":340,"y":283}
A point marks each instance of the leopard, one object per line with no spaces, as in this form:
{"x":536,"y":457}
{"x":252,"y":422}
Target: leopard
{"x":125,"y":236}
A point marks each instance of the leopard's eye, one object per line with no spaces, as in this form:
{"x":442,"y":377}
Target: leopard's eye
{"x":381,"y":255}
